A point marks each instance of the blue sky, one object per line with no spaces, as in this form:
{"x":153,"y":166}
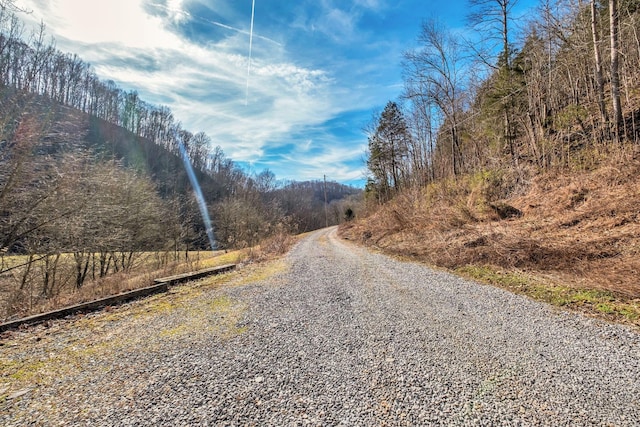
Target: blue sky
{"x":319,"y":69}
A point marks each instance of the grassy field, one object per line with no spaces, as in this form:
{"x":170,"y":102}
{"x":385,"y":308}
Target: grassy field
{"x":21,"y":286}
{"x":20,"y":298}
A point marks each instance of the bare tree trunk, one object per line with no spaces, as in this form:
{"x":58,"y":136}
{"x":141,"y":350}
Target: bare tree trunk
{"x":615,"y":72}
{"x":82,"y":267}
{"x":50,"y":275}
{"x":598,"y":61}
{"x":454,"y":151}
{"x":25,"y":275}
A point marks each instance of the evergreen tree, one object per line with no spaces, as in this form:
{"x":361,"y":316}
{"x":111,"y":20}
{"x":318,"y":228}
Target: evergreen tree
{"x":388,"y":149}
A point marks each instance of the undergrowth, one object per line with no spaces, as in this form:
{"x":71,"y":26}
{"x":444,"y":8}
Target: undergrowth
{"x":568,"y":237}
{"x":17,"y":301}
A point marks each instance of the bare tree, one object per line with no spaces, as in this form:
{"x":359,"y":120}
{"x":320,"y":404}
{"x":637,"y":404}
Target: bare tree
{"x":421,"y":123}
{"x":437,"y":74}
{"x":10,"y":5}
{"x":598,"y":62}
{"x":615,"y":71}
{"x":492,"y":19}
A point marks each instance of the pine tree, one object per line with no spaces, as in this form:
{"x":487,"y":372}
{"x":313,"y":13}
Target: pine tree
{"x":388,"y":149}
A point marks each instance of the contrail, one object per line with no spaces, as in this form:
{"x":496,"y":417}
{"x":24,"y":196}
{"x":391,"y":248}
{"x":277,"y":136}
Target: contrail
{"x":208,"y":21}
{"x":253,"y":10}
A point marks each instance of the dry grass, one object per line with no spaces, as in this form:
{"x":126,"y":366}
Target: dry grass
{"x":576,"y":239}
{"x":16,"y":303}
{"x":271,"y":248}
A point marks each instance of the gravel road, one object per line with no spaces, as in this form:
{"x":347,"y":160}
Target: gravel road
{"x":332,"y":335}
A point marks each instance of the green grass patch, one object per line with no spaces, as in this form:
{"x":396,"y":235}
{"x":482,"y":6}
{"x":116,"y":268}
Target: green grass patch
{"x":22,"y":371}
{"x":591,"y":301}
{"x":11,"y":261}
{"x":223,"y":259}
{"x":495,"y":277}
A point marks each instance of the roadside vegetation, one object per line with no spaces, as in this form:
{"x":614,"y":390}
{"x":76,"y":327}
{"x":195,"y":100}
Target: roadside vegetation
{"x":27,"y":298}
{"x":21,"y":296}
{"x":571,"y":240}
{"x":519,"y":167}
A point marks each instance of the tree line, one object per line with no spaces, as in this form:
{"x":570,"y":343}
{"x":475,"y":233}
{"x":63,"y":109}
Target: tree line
{"x":534,"y":95}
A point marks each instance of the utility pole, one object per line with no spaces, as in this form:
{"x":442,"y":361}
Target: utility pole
{"x":326,"y":214}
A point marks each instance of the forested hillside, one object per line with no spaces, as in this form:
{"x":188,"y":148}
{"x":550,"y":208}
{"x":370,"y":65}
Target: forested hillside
{"x":536,"y":97}
{"x":91,"y":176}
{"x":512,"y":154}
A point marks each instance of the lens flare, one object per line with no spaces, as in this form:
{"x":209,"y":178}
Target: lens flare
{"x":204,"y":212}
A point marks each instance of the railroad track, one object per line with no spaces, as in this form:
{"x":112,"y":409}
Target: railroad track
{"x":161,"y":285}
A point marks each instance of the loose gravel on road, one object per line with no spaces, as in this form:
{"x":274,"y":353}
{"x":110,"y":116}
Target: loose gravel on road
{"x":331,"y":335}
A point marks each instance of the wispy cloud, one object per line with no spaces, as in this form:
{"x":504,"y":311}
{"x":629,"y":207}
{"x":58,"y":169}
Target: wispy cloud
{"x":337,"y":20}
{"x":172,"y":8}
{"x":333,"y":160}
{"x":176,"y":13}
{"x":149,"y":46}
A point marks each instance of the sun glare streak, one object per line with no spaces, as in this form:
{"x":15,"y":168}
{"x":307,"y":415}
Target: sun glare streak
{"x":204,"y":212}
{"x":253,"y":10}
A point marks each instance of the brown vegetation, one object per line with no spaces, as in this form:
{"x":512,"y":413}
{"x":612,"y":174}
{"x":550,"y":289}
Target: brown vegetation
{"x":521,"y":169}
{"x":19,"y":299}
{"x":568,"y":231}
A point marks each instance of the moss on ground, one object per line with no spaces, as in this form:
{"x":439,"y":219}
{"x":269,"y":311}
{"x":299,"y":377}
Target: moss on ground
{"x":604,"y":304}
{"x":35,"y":360}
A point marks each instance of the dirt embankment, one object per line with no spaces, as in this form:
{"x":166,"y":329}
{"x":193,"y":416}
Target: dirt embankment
{"x":569,"y":239}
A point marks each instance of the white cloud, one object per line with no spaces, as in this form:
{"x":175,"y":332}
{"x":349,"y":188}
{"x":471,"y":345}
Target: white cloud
{"x":333,"y":161}
{"x":174,"y":7}
{"x":374,"y":5}
{"x":205,"y":85}
{"x":337,"y":24}
{"x":115,"y":21}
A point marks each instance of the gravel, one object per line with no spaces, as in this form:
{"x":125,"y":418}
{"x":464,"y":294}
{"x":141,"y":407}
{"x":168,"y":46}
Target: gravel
{"x":341,"y":336}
